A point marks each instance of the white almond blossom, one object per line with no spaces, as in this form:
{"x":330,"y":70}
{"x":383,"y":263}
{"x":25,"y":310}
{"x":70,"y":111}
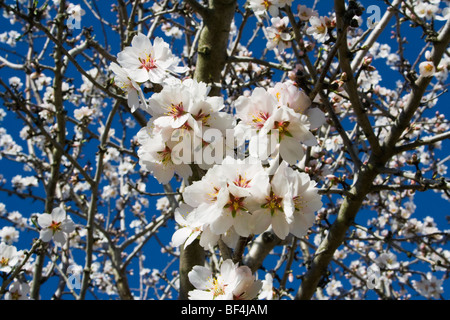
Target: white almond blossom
{"x":246,"y":183}
{"x":76,"y":11}
{"x":9,"y":257}
{"x":57,"y":226}
{"x":187,"y":126}
{"x":427,"y":69}
{"x":9,"y":235}
{"x":426,"y":10}
{"x":318,"y":29}
{"x":146,"y":61}
{"x":290,"y":95}
{"x":15,"y":82}
{"x":278,"y":207}
{"x":272,"y":127}
{"x":261,"y":7}
{"x":278,"y":34}
{"x":232,"y":283}
{"x":225,"y":194}
{"x":267,"y":291}
{"x":305,"y":13}
{"x":193,"y":226}
{"x":388,"y":260}
{"x":307,"y":202}
{"x":253,"y":111}
{"x":156,"y":157}
{"x":429,"y":286}
{"x":187,"y":104}
{"x":18,"y":291}
{"x":284,"y":133}
{"x":83,"y":113}
{"x":135,"y":96}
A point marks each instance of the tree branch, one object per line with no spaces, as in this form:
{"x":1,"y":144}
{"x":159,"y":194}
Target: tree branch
{"x":363,"y":183}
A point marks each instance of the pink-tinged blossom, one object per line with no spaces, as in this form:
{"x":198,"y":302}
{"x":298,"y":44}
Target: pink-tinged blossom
{"x":318,"y":29}
{"x":187,"y":104}
{"x":253,"y":111}
{"x":246,"y":183}
{"x":232,"y":283}
{"x":278,"y":34}
{"x":305,"y":13}
{"x":288,"y":94}
{"x":284,"y":133}
{"x":157,"y":157}
{"x":57,"y":226}
{"x":145,"y":61}
{"x":429,"y":286}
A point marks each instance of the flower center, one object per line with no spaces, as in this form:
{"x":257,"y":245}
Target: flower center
{"x":242,"y":182}
{"x":429,"y":67}
{"x":148,"y":63}
{"x":260,"y":118}
{"x":4,"y":262}
{"x":165,"y":155}
{"x":214,"y":194}
{"x":15,"y":295}
{"x":235,"y":204}
{"x":203,"y":117}
{"x":282,"y":126}
{"x":321,"y":28}
{"x":273,"y":202}
{"x":299,"y":203}
{"x":218,"y":288}
{"x":55,"y":226}
{"x":176,"y":110}
{"x":267,"y":4}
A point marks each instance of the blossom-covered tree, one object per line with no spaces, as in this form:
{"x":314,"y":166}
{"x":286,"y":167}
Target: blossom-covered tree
{"x":224,"y":149}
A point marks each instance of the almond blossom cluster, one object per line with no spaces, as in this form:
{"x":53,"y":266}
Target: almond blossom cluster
{"x":235,"y":197}
{"x":186,"y":125}
{"x":142,"y":62}
{"x":277,"y":121}
{"x":239,"y":198}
